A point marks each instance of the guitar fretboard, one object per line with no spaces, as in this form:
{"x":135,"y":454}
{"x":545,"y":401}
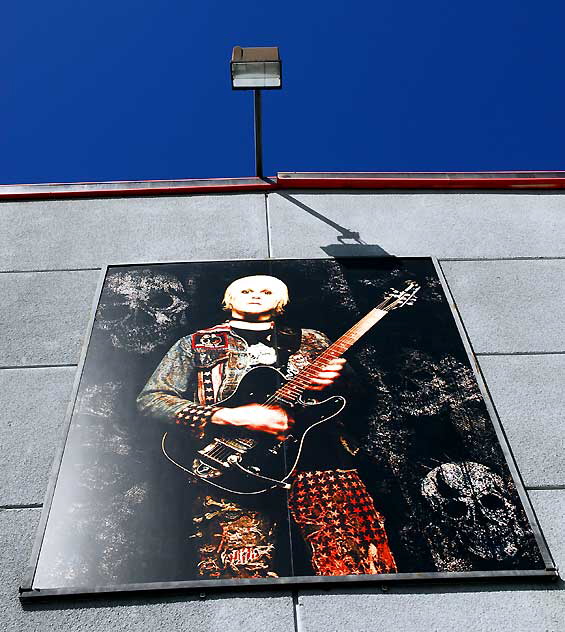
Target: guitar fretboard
{"x":291,"y":391}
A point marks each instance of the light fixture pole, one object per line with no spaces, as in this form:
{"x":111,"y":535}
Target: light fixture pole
{"x":258,"y":134}
{"x":256,"y":69}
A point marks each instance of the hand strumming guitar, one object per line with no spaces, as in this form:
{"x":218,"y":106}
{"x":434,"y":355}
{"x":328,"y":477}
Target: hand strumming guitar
{"x":270,"y":419}
{"x":274,"y":419}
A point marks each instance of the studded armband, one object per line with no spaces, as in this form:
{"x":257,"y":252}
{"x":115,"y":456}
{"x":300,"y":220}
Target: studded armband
{"x":195,"y":417}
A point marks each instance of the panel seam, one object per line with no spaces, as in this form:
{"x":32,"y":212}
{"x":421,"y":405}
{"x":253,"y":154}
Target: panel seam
{"x":36,"y":366}
{"x":545,"y":488}
{"x":541,"y":258}
{"x":11,"y":507}
{"x":43,"y":270}
{"x":269,"y":242}
{"x":295,"y":606}
{"x":518,"y":353}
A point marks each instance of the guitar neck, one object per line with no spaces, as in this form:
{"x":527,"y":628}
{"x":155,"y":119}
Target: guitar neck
{"x":291,"y":391}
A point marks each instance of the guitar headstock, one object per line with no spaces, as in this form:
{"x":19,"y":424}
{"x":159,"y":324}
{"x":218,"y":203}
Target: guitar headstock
{"x":400,"y":298}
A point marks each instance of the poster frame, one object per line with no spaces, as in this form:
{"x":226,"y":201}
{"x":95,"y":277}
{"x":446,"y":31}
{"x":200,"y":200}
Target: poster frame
{"x":28,"y":594}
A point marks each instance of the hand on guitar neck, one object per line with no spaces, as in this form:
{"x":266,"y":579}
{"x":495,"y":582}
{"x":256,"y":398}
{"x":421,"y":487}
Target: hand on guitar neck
{"x":328,"y":375}
{"x":274,"y":419}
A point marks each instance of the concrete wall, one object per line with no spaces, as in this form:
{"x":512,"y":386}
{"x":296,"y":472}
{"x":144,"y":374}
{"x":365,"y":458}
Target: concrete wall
{"x":503,"y":255}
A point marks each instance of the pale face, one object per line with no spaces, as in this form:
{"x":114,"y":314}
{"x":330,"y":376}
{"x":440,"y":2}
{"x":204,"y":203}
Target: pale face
{"x":254,"y":300}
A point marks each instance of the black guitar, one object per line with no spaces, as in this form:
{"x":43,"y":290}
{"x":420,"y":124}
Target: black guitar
{"x":247,"y":462}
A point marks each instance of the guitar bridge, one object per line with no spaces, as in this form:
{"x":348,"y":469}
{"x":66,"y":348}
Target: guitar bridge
{"x":225,"y":452}
{"x":203,"y":470}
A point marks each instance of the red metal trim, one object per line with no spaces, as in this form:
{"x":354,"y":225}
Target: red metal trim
{"x":132,"y":189}
{"x":454,"y":180}
{"x":521,"y":180}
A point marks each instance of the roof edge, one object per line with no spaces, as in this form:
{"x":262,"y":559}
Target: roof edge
{"x":119,"y":188}
{"x":292,"y":180}
{"x":424,"y":180}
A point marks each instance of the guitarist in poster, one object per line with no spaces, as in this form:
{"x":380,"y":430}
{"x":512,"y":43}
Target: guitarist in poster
{"x":236,"y":527}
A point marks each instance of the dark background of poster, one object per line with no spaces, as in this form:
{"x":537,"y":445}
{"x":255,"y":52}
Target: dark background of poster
{"x":122,"y":514}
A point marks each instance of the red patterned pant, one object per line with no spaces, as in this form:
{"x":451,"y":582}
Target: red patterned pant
{"x":335,"y":515}
{"x":338,"y":519}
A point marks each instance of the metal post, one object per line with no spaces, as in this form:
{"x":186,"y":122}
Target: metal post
{"x":258,"y":135}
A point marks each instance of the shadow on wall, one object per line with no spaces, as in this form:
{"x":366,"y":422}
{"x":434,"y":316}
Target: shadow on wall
{"x":359,"y":248}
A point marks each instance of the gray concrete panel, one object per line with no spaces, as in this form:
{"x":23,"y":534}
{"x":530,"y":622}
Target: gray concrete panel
{"x":241,"y":612}
{"x":510,"y":306}
{"x":471,"y":608}
{"x":90,"y":233}
{"x":526,"y":608}
{"x":33,"y":404}
{"x":507,"y":307}
{"x":454,"y":225}
{"x":44,"y":316}
{"x":529,"y":397}
{"x":549,"y":506}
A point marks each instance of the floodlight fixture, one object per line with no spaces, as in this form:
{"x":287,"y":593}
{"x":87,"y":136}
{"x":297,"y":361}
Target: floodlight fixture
{"x":256,"y":69}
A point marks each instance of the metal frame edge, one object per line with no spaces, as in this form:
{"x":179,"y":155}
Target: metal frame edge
{"x":28,"y":594}
{"x":497,"y":424}
{"x":29,"y":573}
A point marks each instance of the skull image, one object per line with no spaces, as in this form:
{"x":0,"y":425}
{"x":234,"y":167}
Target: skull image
{"x":423,"y":388}
{"x":100,"y":399}
{"x":427,"y":386}
{"x":473,"y":505}
{"x":140,"y":308}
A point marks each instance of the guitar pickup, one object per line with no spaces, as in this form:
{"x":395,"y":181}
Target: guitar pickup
{"x":224,"y":452}
{"x":234,"y":444}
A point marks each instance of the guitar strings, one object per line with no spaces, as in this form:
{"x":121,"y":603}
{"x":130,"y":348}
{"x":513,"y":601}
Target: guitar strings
{"x":303,"y":379}
{"x":219,"y":452}
{"x":295,"y":387}
{"x":298,"y":384}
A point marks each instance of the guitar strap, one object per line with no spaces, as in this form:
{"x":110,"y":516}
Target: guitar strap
{"x":287,"y":342}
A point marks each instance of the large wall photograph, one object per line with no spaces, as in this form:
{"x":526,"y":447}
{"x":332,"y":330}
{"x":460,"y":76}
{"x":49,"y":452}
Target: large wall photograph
{"x":280,"y":420}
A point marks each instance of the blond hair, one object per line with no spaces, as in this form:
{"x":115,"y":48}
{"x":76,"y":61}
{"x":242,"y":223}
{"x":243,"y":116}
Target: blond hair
{"x":272,"y":283}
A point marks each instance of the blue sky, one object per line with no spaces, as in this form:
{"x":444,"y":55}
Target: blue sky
{"x":126,"y":90}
